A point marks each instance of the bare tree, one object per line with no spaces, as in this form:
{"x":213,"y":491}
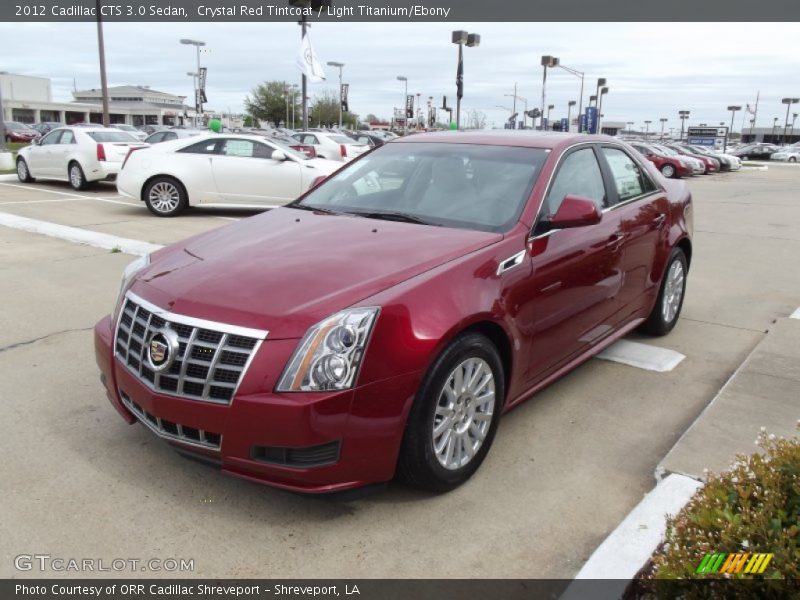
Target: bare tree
{"x":476,"y":119}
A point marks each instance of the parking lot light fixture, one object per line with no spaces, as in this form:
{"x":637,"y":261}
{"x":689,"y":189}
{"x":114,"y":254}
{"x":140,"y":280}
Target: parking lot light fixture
{"x":683,"y":114}
{"x":339,"y":66}
{"x":462,"y":38}
{"x":592,"y":99}
{"x":580,"y":74}
{"x":547,"y":61}
{"x":404,"y":104}
{"x":794,"y":118}
{"x":198,"y":102}
{"x":603,"y":92}
{"x":646,"y":129}
{"x":733,"y":109}
{"x":570,"y":104}
{"x":788,"y":102}
{"x":663,"y":122}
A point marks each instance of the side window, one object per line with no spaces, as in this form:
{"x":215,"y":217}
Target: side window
{"x":579,"y":175}
{"x":67,"y":137}
{"x":52,"y":137}
{"x":204,"y":147}
{"x":629,"y":178}
{"x":168,"y":135}
{"x":243,"y":148}
{"x":156,"y":138}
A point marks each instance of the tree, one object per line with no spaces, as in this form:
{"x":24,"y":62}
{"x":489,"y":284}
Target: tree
{"x":370,"y":118}
{"x":325,"y":111}
{"x":476,"y":119}
{"x":268,"y":101}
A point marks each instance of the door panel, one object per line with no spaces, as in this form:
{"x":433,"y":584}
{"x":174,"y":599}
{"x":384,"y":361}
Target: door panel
{"x":40,"y":157}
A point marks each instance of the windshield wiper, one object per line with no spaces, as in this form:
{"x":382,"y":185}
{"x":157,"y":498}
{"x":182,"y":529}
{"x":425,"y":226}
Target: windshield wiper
{"x":395,"y":216}
{"x":312,"y":208}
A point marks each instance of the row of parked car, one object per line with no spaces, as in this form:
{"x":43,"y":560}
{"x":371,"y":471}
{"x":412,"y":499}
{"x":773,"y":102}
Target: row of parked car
{"x":677,"y":160}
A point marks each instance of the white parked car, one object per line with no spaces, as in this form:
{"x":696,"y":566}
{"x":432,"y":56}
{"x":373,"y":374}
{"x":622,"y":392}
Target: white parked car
{"x":226,"y":169}
{"x":333,"y":146}
{"x":787,"y":154}
{"x":79,"y":155}
{"x":137,"y":133}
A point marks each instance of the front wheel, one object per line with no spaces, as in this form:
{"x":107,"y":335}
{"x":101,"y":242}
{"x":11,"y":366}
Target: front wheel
{"x":792,"y":159}
{"x":23,"y":173}
{"x":668,"y":171}
{"x":669,"y":303}
{"x":455,"y":415}
{"x":165,"y":197}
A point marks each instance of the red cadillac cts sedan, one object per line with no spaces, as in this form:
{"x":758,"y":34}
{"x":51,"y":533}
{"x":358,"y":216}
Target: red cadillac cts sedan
{"x":382,"y":323}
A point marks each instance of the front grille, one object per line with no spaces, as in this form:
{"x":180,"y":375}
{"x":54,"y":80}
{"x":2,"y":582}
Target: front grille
{"x":211,"y":359}
{"x":172,"y":431}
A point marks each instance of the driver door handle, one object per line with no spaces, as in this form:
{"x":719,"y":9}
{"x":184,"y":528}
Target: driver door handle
{"x":658,"y":222}
{"x":615,"y":239}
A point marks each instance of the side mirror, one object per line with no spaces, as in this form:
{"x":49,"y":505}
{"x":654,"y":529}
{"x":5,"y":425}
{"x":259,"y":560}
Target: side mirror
{"x":575,"y":211}
{"x":279,"y":155}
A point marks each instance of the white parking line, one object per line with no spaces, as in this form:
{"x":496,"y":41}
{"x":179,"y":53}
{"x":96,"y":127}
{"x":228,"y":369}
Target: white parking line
{"x":79,"y":236}
{"x":24,"y":202}
{"x":643,"y":356}
{"x":795,"y":314}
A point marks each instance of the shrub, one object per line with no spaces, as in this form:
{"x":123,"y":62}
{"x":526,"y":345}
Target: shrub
{"x":753,"y":507}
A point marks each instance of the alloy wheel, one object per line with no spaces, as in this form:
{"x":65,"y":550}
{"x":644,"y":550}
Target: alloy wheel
{"x":22,"y":170}
{"x":164,"y":197}
{"x":464,"y":413}
{"x":673,"y":291}
{"x":668,"y":171}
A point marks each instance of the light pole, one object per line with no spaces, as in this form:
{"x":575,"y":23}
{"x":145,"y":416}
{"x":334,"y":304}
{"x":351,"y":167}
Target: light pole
{"x":198,"y":93}
{"x":733,"y":109}
{"x":788,"y":102}
{"x":646,"y":129}
{"x":683,"y":114}
{"x":294,"y":101}
{"x":630,"y":126}
{"x":101,"y":48}
{"x":774,"y":127}
{"x":194,"y":77}
{"x":286,"y":97}
{"x":580,"y":98}
{"x":419,"y":110}
{"x":549,"y":108}
{"x":2,"y":125}
{"x":598,"y":101}
{"x":794,"y":118}
{"x":663,"y":122}
{"x":340,"y":66}
{"x":547,"y":61}
{"x":471,"y":40}
{"x":404,"y":104}
{"x":603,"y":92}
{"x":570,"y":104}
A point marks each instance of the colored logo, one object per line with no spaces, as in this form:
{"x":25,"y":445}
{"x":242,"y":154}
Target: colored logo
{"x":742,"y":562}
{"x":162,"y":349}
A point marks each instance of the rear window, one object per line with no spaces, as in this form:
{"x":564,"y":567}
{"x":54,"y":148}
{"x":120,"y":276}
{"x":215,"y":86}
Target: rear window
{"x":111,"y":136}
{"x":341,"y":139}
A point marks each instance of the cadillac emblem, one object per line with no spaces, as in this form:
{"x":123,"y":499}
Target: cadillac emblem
{"x":162,"y":349}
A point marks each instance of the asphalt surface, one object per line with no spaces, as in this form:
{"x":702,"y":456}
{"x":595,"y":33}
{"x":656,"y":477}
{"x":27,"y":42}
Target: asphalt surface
{"x":565,"y":469}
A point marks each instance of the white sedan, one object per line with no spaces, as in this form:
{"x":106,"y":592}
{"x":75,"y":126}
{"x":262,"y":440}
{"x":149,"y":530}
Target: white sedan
{"x":333,"y":146}
{"x":79,"y":155}
{"x":227,"y":169}
{"x":787,"y":154}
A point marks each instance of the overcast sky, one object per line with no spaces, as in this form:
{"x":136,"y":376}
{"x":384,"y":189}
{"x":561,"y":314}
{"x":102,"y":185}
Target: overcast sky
{"x":653,"y":70}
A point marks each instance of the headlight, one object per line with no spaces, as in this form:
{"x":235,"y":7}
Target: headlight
{"x":127,"y":277}
{"x":330,"y":353}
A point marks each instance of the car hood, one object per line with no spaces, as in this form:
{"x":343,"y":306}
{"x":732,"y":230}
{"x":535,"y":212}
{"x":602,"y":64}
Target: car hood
{"x":287,"y":269}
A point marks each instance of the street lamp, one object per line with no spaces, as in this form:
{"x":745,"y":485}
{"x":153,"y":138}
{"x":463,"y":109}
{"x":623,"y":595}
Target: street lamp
{"x":630,"y":126}
{"x":663,"y":121}
{"x":294,"y":101}
{"x":598,"y":100}
{"x":788,"y":102}
{"x":547,"y":61}
{"x":460,"y":38}
{"x":194,"y":77}
{"x":603,"y":92}
{"x":514,"y":105}
{"x":774,"y":126}
{"x":570,"y":104}
{"x":794,"y":118}
{"x":198,"y":93}
{"x":733,"y":109}
{"x":339,"y":66}
{"x":646,"y":129}
{"x":404,"y":104}
{"x":580,"y":98}
{"x":683,"y":114}
{"x":549,"y":108}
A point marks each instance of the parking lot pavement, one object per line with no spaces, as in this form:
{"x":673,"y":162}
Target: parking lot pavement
{"x":566,"y":467}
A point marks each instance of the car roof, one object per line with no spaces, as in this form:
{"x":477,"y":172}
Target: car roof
{"x":506,"y":137}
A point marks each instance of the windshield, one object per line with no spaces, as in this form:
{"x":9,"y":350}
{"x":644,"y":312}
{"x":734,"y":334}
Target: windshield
{"x":455,"y":185}
{"x":111,"y":136}
{"x":343,"y":139}
{"x":666,"y":150}
{"x":14,"y":126}
{"x":126,"y":127}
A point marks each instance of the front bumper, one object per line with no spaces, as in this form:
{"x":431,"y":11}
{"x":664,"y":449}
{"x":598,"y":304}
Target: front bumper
{"x":260,"y":430}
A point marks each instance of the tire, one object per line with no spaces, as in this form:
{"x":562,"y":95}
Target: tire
{"x":23,"y":173}
{"x":463,"y":440}
{"x":745,"y":157}
{"x":668,"y":171}
{"x":792,"y":159}
{"x":76,"y":177}
{"x":668,"y":305}
{"x":165,"y":197}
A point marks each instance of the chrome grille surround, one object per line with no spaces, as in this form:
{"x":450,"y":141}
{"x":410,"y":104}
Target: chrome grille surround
{"x":212,"y":358}
{"x":172,"y":431}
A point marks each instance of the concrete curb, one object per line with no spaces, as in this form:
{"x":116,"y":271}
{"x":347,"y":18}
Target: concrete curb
{"x":77,"y":235}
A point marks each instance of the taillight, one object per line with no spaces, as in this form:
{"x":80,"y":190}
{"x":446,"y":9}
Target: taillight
{"x":318,"y":180}
{"x":101,"y":152}
{"x":310,"y":151}
{"x":343,"y":150}
{"x":128,"y":155}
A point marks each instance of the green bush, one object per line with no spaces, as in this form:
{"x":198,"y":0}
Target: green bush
{"x":753,"y":507}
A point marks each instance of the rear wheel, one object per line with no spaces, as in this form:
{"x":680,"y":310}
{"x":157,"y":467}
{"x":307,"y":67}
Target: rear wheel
{"x":165,"y":197}
{"x":669,"y":303}
{"x":76,"y":177}
{"x":792,"y":159}
{"x":668,"y":171}
{"x":23,"y":173}
{"x":455,"y":415}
